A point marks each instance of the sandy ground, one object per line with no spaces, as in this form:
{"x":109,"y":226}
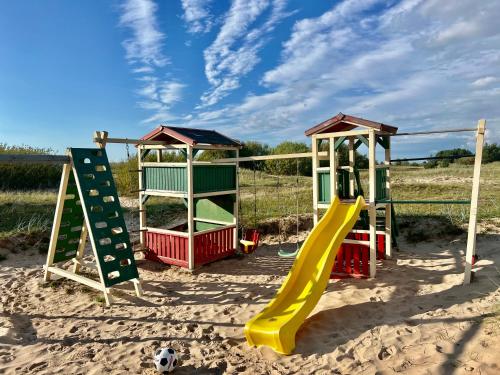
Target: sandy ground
{"x":414,"y":318}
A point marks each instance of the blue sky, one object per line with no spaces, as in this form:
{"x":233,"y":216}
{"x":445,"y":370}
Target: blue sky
{"x":264,"y":70}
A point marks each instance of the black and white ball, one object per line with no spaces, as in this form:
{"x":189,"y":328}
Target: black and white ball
{"x":165,"y":360}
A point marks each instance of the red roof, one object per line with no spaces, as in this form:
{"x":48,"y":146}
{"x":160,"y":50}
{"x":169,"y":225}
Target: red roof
{"x":343,"y":122}
{"x":190,"y":136}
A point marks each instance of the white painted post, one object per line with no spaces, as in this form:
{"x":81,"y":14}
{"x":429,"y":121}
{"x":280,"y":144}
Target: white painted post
{"x":372,"y":208}
{"x":57,"y":219}
{"x":351,"y":167}
{"x":472,"y":230}
{"x":142,"y":207}
{"x":189,"y":171}
{"x":315,"y":163}
{"x":333,"y":169}
{"x":237,"y":201}
{"x":388,"y":206}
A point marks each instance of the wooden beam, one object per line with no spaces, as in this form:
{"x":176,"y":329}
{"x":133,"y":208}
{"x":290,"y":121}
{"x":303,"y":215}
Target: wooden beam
{"x":315,"y":165}
{"x":214,"y":193}
{"x":141,"y":197}
{"x":333,"y":170}
{"x":388,"y":207}
{"x":190,"y":193}
{"x":165,"y":231}
{"x":25,"y":158}
{"x":339,"y":142}
{"x":435,"y":132}
{"x":472,"y":230}
{"x":351,"y":166}
{"x":372,"y":212}
{"x":57,"y":219}
{"x":342,"y":134}
{"x":100,"y":138}
{"x":236,"y":206}
{"x":363,"y":140}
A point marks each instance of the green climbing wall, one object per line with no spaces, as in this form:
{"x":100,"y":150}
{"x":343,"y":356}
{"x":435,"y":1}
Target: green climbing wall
{"x":70,"y":229}
{"x":106,"y":222}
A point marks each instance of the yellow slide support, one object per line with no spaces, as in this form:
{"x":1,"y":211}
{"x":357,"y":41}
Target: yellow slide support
{"x":277,"y":324}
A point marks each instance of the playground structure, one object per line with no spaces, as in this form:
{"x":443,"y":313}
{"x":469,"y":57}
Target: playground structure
{"x":88,"y":205}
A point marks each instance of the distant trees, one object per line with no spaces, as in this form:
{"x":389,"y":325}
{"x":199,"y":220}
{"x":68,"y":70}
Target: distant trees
{"x":491,"y":153}
{"x":26,"y":175}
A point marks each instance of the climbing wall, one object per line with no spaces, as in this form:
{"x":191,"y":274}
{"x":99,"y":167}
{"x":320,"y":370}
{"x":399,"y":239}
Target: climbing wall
{"x":105,"y":223}
{"x":70,"y":229}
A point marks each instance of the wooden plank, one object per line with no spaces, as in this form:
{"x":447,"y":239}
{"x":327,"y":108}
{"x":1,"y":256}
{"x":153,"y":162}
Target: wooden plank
{"x":78,"y":278}
{"x":388,"y":207}
{"x":165,"y":231}
{"x":214,"y":193}
{"x":57,"y":218}
{"x":236,"y":206}
{"x":351,"y":166}
{"x":333,"y":170}
{"x":190,"y":191}
{"x":213,"y":230}
{"x":211,"y":221}
{"x":339,"y":142}
{"x":163,"y":164}
{"x":81,"y":249}
{"x":315,"y":165}
{"x":472,"y":230}
{"x":142,"y":202}
{"x":345,"y":133}
{"x":26,"y":158}
{"x":436,"y":132}
{"x":163,"y":193}
{"x":372,"y":212}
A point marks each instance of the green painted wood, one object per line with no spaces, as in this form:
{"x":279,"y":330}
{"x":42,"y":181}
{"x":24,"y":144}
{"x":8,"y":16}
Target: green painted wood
{"x":380,"y":183}
{"x":206,"y":178}
{"x":363,"y":139}
{"x":212,"y":178}
{"x":165,"y":178}
{"x":324,"y":195}
{"x":214,"y":208}
{"x":357,"y":144}
{"x":383,"y":141}
{"x":105,"y":217}
{"x":339,"y":142}
{"x":70,"y":229}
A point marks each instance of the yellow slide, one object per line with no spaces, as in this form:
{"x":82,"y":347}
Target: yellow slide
{"x":277,"y":324}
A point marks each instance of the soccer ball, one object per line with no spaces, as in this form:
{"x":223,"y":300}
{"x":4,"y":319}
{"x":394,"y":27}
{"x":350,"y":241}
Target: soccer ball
{"x":165,"y":360}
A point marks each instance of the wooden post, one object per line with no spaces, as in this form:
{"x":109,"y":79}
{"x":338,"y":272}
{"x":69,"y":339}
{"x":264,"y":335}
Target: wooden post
{"x":472,"y":230}
{"x":57,"y":219}
{"x":103,"y":136}
{"x":372,"y":208}
{"x":333,"y":169}
{"x":315,"y":164}
{"x":158,"y":155}
{"x":81,"y":249}
{"x":142,"y":206}
{"x":237,"y":201}
{"x":351,"y":167}
{"x":189,"y":171}
{"x":388,"y":208}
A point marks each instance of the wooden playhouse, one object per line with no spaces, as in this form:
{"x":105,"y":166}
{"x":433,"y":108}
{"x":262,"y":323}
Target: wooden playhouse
{"x":208,"y":190}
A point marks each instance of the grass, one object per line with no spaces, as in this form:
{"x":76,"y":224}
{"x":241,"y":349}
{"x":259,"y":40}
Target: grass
{"x":31,"y":213}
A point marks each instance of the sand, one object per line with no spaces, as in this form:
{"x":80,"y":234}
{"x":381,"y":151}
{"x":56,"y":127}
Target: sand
{"x":414,"y":318}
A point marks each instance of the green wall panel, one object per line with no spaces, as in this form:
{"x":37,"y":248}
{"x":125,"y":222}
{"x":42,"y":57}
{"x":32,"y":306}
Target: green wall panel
{"x":215,"y":208}
{"x":206,"y":178}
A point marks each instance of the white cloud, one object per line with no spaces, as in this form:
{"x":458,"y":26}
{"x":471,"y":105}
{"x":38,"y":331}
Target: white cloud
{"x":234,"y":53}
{"x":146,"y":42}
{"x":197,"y":15}
{"x":484,"y":81}
{"x":411,"y":64}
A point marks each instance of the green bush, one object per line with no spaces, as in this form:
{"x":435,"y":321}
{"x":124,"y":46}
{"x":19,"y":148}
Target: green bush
{"x":24,"y":176}
{"x":289,"y":166}
{"x":491,"y":153}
